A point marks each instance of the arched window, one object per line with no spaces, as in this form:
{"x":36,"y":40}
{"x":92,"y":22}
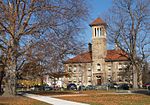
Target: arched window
{"x":95,"y":32}
{"x":100,"y":33}
{"x":98,"y":67}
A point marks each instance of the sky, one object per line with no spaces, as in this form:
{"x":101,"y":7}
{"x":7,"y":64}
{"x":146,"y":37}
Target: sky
{"x":96,"y":9}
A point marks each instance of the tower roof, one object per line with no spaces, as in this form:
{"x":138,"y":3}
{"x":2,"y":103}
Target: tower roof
{"x":98,"y":21}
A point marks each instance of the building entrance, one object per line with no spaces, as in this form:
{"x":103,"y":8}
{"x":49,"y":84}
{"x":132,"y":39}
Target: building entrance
{"x":99,"y":80}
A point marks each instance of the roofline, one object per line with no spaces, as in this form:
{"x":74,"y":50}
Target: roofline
{"x":77,"y":62}
{"x":115,"y":60}
{"x":92,"y":61}
{"x":98,"y":24}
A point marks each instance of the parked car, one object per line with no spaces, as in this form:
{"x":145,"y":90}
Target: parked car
{"x":97,"y":87}
{"x":112,"y":85}
{"x":146,"y":85}
{"x":90,"y":87}
{"x":47,"y":88}
{"x":106,"y":86}
{"x":123,"y":86}
{"x":55,"y":87}
{"x":72,"y":86}
{"x":82,"y":87}
{"x":41,"y":88}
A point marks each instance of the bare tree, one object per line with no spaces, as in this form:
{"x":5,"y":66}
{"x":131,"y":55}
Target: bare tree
{"x":128,"y":27}
{"x":24,"y":22}
{"x":54,"y":49}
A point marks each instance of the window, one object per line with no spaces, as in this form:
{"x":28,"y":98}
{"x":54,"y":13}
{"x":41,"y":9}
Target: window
{"x":80,"y":78}
{"x":109,"y":67}
{"x":95,"y":32}
{"x":120,"y":69}
{"x":120,"y":65}
{"x":100,"y":33}
{"x":74,"y":78}
{"x":80,"y":68}
{"x":89,"y":69}
{"x":109,"y":76}
{"x":119,"y":78}
{"x":89,"y":79}
{"x":75,"y":68}
{"x":98,"y":67}
{"x":89,"y":74}
{"x":69,"y":68}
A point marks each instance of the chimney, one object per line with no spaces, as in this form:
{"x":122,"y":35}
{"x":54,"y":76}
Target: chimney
{"x":116,"y":47}
{"x":90,"y":47}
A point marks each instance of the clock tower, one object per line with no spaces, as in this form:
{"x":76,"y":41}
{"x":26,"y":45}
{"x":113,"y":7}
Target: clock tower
{"x":98,"y":49}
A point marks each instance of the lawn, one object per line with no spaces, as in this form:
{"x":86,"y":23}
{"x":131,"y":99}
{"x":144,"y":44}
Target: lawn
{"x":18,"y":100}
{"x":103,"y":98}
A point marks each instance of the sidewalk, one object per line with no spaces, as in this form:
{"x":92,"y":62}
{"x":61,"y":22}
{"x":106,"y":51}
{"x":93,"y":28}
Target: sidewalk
{"x":53,"y":101}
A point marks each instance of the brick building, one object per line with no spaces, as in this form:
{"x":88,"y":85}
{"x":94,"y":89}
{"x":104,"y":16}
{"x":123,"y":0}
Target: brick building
{"x":98,"y":65}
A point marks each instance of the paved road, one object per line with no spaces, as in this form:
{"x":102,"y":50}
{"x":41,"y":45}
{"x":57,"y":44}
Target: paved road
{"x":53,"y":101}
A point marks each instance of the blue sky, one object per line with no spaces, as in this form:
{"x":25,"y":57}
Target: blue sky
{"x":96,"y":9}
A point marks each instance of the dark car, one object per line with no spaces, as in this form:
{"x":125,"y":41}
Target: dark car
{"x":112,"y":85}
{"x":146,"y":85}
{"x":123,"y":86}
{"x":106,"y":86}
{"x":102,"y":86}
{"x":72,"y":86}
{"x":44,"y":87}
{"x":82,"y":87}
{"x":47,"y":88}
{"x":90,"y":87}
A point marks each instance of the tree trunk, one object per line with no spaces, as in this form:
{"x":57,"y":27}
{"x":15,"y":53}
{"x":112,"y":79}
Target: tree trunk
{"x":1,"y":79}
{"x":1,"y":86}
{"x":10,"y":83}
{"x":135,"y":77}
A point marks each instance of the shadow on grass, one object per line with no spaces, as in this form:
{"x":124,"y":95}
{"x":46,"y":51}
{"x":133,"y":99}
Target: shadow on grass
{"x":3,"y":104}
{"x":46,"y":92}
{"x":145,"y":92}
